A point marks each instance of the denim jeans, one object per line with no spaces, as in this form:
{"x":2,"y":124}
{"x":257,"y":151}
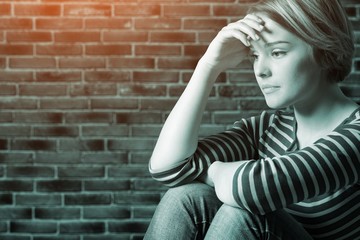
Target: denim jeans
{"x":193,"y":211}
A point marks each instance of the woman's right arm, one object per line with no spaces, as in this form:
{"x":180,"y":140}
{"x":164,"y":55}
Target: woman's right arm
{"x":179,"y":136}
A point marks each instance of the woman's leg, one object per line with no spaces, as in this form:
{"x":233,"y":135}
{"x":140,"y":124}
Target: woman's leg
{"x":234,"y":223}
{"x":184,"y":212}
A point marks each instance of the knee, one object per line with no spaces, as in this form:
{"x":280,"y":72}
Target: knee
{"x":188,"y":191}
{"x":188,"y":194}
{"x":237,"y":215}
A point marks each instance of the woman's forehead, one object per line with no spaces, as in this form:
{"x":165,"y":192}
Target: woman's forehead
{"x":274,"y":32}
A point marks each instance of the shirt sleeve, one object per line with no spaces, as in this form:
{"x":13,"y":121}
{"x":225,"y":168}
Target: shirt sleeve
{"x":331,"y":163}
{"x":236,"y":144}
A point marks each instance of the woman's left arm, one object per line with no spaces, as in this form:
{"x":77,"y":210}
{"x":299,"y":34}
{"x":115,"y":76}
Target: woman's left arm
{"x":266,"y":185}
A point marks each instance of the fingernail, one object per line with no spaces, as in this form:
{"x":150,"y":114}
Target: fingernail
{"x":261,"y":27}
{"x":256,"y":37}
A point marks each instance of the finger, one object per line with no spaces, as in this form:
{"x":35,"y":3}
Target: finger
{"x":235,"y":33}
{"x":259,"y":26}
{"x":254,"y":17}
{"x":245,"y":28}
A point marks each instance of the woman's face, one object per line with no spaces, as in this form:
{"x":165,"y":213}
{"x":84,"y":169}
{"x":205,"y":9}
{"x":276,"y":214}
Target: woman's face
{"x":284,"y":67}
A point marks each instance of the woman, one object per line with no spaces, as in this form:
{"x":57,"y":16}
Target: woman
{"x":292,"y":174}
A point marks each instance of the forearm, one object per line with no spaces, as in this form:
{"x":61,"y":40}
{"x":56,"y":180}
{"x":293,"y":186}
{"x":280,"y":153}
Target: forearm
{"x":179,"y":135}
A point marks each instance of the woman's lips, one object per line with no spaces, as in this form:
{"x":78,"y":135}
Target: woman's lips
{"x":269,"y":89}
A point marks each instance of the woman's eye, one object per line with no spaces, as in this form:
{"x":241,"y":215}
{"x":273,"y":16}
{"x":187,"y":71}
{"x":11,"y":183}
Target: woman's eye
{"x":278,"y":54}
{"x":253,"y":57}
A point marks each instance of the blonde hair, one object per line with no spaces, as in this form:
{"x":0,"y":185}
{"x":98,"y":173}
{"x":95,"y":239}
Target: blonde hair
{"x":323,"y":24}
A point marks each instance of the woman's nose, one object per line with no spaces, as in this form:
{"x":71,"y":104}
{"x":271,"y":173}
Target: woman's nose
{"x":262,"y":68}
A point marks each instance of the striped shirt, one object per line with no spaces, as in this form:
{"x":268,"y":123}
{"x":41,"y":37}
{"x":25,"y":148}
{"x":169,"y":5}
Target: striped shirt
{"x":318,"y":185}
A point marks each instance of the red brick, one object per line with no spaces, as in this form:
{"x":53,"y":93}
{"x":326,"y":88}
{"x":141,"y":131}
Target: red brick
{"x":239,"y":91}
{"x":114,"y":104}
{"x":6,"y":117}
{"x":147,"y":184}
{"x":7,"y":90}
{"x":131,"y":144}
{"x":77,"y":37}
{"x":186,"y":10}
{"x":212,"y":1}
{"x":30,"y":171}
{"x":107,"y":185}
{"x":157,"y":50}
{"x":158,"y":23}
{"x":63,"y":104}
{"x":60,"y":213}
{"x":6,"y":199}
{"x":195,"y":50}
{"x":2,"y":62}
{"x":59,"y":50}
{"x":113,"y":23}
{"x":87,"y":10}
{"x":177,"y":63}
{"x":36,"y":10}
{"x":82,"y":145}
{"x":107,"y":76}
{"x":16,"y":23}
{"x":37,"y":117}
{"x":16,"y":49}
{"x":158,"y":76}
{"x":130,"y":198}
{"x":32,"y":63}
{"x":81,"y":62}
{"x":15,"y":213}
{"x":137,"y":10}
{"x":207,"y":37}
{"x":54,"y":76}
{"x":129,"y":170}
{"x":105,"y":158}
{"x":142,"y":117}
{"x":108,"y":49}
{"x":106,"y":212}
{"x":207,"y":24}
{"x":230,"y":10}
{"x":7,"y":131}
{"x":5,"y":9}
{"x":58,"y":23}
{"x":158,"y":104}
{"x":57,"y":131}
{"x":131,"y":63}
{"x":171,"y":37}
{"x":25,"y":144}
{"x":73,"y":157}
{"x":28,"y":37}
{"x":43,"y":90}
{"x":81,"y":171}
{"x":129,"y":226}
{"x":242,"y":77}
{"x":33,"y":227}
{"x":140,"y":131}
{"x":18,"y":103}
{"x":103,"y":131}
{"x":94,"y":90}
{"x":82,"y":227}
{"x":125,"y":36}
{"x":88,"y":199}
{"x":58,"y":186}
{"x":142,"y":90}
{"x":88,"y":117}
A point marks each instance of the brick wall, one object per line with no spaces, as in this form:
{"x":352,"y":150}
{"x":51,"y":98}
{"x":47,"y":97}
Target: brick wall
{"x":85,"y":86}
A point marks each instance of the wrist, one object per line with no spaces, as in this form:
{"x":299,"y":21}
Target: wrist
{"x":205,"y":65}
